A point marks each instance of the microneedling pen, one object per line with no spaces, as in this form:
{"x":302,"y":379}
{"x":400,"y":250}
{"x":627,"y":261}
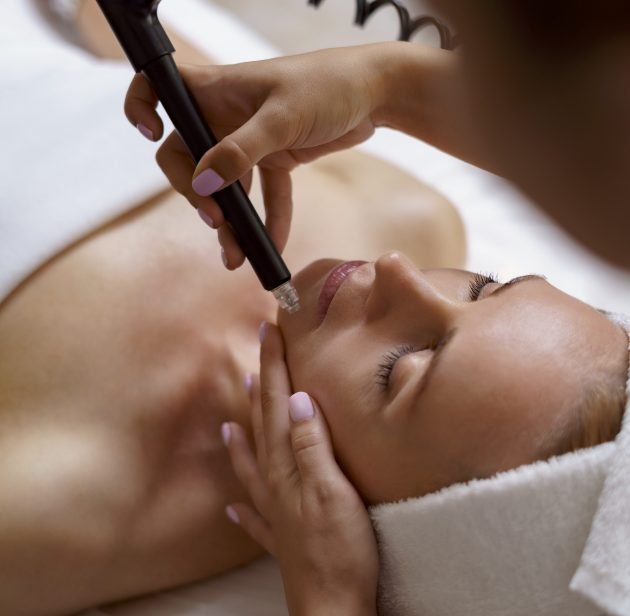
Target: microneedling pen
{"x":138,"y":30}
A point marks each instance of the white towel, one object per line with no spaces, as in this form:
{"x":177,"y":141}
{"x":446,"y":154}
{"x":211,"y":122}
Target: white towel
{"x":511,"y":545}
{"x":506,"y":546}
{"x":67,"y":150}
{"x":604,"y":572}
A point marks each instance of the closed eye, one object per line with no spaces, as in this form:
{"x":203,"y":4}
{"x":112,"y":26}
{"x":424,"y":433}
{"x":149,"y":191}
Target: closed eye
{"x":388,"y":362}
{"x":477,"y":283}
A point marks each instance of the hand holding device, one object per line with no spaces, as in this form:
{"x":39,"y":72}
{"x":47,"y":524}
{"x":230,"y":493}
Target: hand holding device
{"x":136,"y":25}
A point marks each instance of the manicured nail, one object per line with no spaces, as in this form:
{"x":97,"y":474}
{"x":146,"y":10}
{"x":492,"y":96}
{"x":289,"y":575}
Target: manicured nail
{"x":248,"y":381}
{"x":145,"y":132}
{"x":223,"y":257}
{"x":226,"y":433}
{"x":301,"y":407}
{"x":262,"y":332}
{"x":206,"y":218}
{"x":207,"y":182}
{"x":231,"y":513}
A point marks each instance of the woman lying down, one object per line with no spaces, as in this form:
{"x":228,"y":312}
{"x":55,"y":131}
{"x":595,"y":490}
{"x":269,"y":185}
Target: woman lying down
{"x":123,"y":356}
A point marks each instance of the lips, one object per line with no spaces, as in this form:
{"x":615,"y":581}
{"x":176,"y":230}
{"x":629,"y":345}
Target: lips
{"x":334,"y":281}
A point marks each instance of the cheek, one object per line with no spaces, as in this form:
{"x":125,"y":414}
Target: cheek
{"x":325,"y":366}
{"x":335,"y":380}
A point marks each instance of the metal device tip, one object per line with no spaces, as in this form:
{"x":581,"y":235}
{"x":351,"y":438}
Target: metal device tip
{"x":287,"y":297}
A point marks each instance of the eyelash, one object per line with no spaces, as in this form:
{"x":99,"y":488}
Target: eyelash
{"x":388,"y":361}
{"x":477,"y":283}
{"x":384,"y":372}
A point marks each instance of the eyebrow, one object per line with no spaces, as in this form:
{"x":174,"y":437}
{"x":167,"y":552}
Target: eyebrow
{"x":512,"y":283}
{"x":435,"y":360}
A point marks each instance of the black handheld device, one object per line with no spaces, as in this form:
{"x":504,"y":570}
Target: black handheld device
{"x":147,"y":46}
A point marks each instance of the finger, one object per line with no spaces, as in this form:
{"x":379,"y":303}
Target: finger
{"x":238,"y":152}
{"x":246,"y":181}
{"x":310,"y":440}
{"x":253,"y":524}
{"x":212,"y":214}
{"x":275,"y":391}
{"x":257,"y":425}
{"x":277,"y":192}
{"x":140,"y":108}
{"x":245,"y":465}
{"x":233,"y":256}
{"x":176,"y":163}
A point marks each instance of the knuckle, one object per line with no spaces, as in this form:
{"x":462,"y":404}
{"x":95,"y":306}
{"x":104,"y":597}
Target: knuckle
{"x":247,"y":475}
{"x":282,"y":123}
{"x":326,"y":492}
{"x":162,"y":157}
{"x":267,"y":400}
{"x":306,"y":441}
{"x":236,"y":155}
{"x":276,"y":478}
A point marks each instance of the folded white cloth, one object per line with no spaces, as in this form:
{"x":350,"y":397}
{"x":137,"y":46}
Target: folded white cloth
{"x":604,"y":572}
{"x":67,"y":150}
{"x":506,"y":546}
{"x":511,"y":545}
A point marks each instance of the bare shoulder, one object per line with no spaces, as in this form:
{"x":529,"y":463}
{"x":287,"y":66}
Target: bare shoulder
{"x":55,"y":542}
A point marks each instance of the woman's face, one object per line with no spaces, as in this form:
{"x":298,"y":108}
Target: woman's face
{"x":427,"y":378}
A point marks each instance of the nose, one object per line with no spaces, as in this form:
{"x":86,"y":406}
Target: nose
{"x":402,"y":293}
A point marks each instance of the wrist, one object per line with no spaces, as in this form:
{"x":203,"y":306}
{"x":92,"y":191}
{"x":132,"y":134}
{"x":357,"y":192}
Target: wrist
{"x":410,"y":87}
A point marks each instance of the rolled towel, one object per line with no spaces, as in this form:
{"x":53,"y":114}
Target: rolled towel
{"x":511,"y":545}
{"x":604,"y":572}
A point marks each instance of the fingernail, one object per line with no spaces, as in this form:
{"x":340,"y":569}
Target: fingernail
{"x":262,"y":332}
{"x":206,"y":218}
{"x":231,"y":513}
{"x":301,"y":407}
{"x":223,"y":257}
{"x":145,"y":132}
{"x":248,"y":381}
{"x":207,"y":182}
{"x":226,"y":433}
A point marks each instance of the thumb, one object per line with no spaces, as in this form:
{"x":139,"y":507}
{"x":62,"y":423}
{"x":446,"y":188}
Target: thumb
{"x":310,"y":440}
{"x":238,"y":153}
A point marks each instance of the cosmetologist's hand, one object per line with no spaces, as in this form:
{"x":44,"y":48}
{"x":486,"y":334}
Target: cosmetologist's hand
{"x":275,"y":114}
{"x":306,"y":513}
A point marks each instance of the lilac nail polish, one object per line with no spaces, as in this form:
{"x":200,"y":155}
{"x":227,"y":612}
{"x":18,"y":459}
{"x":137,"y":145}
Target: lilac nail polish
{"x":231,"y":513}
{"x":145,"y":132}
{"x":248,"y":382}
{"x":206,"y":218}
{"x":224,"y":258}
{"x":207,"y":182}
{"x":301,"y":407}
{"x":226,"y":433}
{"x":262,"y":332}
